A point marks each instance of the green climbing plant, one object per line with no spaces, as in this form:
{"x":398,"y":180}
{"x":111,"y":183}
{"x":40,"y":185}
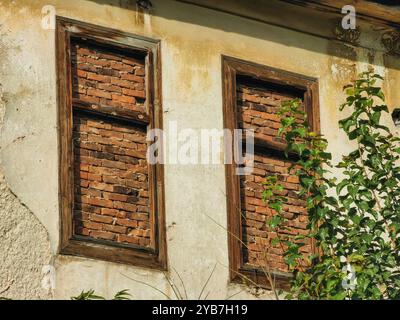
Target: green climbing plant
{"x":354,"y":221}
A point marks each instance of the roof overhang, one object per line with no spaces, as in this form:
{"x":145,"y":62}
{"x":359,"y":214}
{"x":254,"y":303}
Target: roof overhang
{"x":383,"y":12}
{"x":322,"y":18}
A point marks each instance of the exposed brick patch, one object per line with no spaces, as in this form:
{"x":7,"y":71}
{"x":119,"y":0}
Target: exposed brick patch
{"x":257,"y":109}
{"x":108,"y":78}
{"x":111,"y":191}
{"x":111,"y":181}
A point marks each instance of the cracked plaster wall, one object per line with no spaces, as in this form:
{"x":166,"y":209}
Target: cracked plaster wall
{"x":24,"y":244}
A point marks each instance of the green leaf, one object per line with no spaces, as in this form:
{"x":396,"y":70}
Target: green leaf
{"x":376,"y":116}
{"x":88,"y":295}
{"x":274,"y":221}
{"x":122,"y":295}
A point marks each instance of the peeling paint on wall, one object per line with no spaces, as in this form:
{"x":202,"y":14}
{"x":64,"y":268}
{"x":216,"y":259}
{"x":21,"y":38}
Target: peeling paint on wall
{"x":21,"y":261}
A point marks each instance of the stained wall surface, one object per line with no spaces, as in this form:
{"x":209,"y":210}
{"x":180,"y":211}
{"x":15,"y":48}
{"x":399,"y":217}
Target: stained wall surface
{"x":192,"y":42}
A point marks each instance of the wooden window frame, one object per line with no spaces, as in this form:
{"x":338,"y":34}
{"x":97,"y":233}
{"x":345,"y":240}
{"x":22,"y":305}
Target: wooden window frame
{"x":231,"y":68}
{"x":155,"y":257}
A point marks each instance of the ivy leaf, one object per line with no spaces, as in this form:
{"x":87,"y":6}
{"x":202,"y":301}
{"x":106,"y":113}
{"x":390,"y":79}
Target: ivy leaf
{"x":375,"y":117}
{"x":274,"y":221}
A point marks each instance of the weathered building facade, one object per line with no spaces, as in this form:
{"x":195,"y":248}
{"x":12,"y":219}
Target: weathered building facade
{"x":81,"y":83}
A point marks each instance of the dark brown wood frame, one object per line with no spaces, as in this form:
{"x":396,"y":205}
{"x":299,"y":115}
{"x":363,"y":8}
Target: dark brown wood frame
{"x":231,"y":68}
{"x":156,"y":257}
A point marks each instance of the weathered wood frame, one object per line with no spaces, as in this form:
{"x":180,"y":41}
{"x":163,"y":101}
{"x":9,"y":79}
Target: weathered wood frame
{"x":156,"y":257}
{"x":231,"y":68}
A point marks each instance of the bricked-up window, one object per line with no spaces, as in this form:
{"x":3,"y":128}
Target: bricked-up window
{"x":109,"y":97}
{"x":253,"y":95}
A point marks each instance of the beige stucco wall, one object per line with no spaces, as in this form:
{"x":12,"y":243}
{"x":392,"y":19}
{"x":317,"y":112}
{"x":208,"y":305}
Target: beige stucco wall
{"x":192,"y":44}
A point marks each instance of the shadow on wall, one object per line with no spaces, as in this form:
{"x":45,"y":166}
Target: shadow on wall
{"x":387,"y":2}
{"x":211,"y":19}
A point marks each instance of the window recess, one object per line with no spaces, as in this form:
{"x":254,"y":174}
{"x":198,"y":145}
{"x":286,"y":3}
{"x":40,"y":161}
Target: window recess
{"x":252,"y":97}
{"x":111,"y":198}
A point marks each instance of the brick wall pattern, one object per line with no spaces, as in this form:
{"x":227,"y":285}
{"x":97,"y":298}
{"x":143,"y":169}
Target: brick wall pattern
{"x":111,"y":177}
{"x":257,"y":109}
